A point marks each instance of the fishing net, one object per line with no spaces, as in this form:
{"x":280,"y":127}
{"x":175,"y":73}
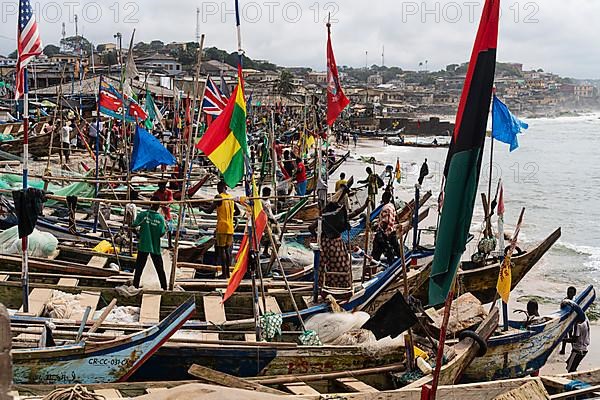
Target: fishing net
{"x":270,"y":326}
{"x":354,"y":337}
{"x":63,"y":305}
{"x":121,"y":314}
{"x":331,"y":326}
{"x":309,"y":338}
{"x":40,"y":244}
{"x":78,"y":189}
{"x":295,"y":255}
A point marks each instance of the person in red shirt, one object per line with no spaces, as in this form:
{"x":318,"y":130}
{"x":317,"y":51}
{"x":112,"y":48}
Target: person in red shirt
{"x":300,"y":177}
{"x":166,"y":196}
{"x":278,"y":149}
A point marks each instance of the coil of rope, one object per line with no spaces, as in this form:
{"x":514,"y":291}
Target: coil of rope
{"x":76,"y":392}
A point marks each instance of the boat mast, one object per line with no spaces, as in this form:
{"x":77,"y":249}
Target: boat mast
{"x":24,"y":240}
{"x":187,"y":161}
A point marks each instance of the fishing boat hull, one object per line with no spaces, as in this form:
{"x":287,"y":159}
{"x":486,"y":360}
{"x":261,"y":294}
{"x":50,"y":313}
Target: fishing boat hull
{"x":111,"y":361}
{"x":394,"y":141}
{"x":255,"y":360}
{"x":481,"y":281}
{"x":521,"y":352}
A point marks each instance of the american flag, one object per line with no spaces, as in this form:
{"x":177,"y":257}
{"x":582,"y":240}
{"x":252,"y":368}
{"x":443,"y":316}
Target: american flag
{"x":214,"y":100}
{"x":29,"y":44}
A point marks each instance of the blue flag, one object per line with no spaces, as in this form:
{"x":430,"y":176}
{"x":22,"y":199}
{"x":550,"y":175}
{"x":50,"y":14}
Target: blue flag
{"x":148,"y":152}
{"x":506,"y":126}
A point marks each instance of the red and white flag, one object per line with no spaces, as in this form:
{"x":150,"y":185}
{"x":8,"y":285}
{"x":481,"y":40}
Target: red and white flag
{"x":336,"y":99}
{"x":29,"y":44}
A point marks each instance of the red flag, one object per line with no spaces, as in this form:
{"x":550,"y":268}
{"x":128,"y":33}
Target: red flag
{"x":501,"y":200}
{"x":137,"y":112}
{"x":336,"y":99}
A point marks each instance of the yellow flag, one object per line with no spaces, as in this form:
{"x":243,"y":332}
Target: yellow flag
{"x":505,"y":279}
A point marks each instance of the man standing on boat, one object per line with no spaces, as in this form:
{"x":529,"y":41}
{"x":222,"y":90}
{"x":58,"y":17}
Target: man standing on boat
{"x":300,"y":177}
{"x":424,"y":172}
{"x":224,"y":204}
{"x":580,"y":342}
{"x":386,"y":240}
{"x":152,"y":228}
{"x":373,"y":183}
{"x":341,"y":182}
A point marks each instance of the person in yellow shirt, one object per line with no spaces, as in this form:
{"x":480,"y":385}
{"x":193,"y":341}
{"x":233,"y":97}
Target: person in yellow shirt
{"x":341,"y":182}
{"x":225,"y":206}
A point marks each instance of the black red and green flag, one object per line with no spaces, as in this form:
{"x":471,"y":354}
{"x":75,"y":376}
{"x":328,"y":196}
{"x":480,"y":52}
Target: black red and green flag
{"x":463,"y":163}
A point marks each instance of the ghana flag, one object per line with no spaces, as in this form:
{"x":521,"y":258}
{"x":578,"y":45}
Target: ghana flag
{"x":250,"y":241}
{"x":463,"y":162}
{"x":225,"y":143}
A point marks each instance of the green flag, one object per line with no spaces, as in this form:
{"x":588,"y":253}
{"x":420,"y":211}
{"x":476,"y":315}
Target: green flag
{"x":463,"y":163}
{"x":150,"y":110}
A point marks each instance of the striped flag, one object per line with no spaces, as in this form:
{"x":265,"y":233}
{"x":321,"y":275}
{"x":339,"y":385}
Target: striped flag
{"x":505,"y":276}
{"x":463,"y":163}
{"x":214,"y":100}
{"x":241,"y":264}
{"x":29,"y":44}
{"x":225,"y":143}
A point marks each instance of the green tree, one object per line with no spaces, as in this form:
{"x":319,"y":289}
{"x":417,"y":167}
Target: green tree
{"x":51,"y":50}
{"x":189,"y":56}
{"x":285,"y":85}
{"x":156,"y":45}
{"x":13,"y":55}
{"x":74,"y":43}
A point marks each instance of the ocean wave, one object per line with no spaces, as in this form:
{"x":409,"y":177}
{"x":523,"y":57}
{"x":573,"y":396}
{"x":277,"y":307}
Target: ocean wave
{"x":593,"y":253}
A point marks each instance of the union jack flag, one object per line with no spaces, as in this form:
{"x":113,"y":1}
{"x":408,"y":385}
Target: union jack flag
{"x":29,"y":44}
{"x":214,"y":100}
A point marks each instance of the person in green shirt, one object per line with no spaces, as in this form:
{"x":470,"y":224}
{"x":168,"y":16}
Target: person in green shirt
{"x":152,"y":227}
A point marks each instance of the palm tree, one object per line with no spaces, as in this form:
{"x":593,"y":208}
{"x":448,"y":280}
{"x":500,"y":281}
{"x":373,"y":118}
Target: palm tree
{"x":285,"y":85}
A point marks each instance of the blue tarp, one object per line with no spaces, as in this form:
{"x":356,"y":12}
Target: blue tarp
{"x":506,"y":126}
{"x":148,"y":152}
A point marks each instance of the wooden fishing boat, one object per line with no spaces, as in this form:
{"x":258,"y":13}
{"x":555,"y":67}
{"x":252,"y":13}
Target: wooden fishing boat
{"x":395,"y":141}
{"x":481,"y":281}
{"x":85,"y":362}
{"x":236,"y":314}
{"x":253,"y":359}
{"x":39,"y":145}
{"x":524,"y":349}
{"x":351,"y":385}
{"x":331,"y":386}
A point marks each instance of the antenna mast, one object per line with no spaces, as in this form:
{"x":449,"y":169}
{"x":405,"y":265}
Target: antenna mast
{"x":198,"y":24}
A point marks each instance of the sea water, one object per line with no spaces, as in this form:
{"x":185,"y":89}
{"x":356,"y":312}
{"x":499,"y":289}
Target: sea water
{"x":554,"y":174}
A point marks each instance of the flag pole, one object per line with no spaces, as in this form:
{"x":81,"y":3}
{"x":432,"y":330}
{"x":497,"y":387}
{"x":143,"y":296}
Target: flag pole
{"x":97,"y":150}
{"x":24,"y":240}
{"x":186,"y":168}
{"x":252,"y":259}
{"x":442,"y":341}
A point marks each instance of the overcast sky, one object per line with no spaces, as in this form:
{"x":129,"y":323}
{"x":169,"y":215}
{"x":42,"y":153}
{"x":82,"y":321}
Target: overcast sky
{"x":556,"y":35}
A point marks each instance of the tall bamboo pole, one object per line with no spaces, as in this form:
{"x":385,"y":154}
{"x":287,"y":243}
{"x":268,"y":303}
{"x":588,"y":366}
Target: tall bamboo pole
{"x":24,"y":244}
{"x":187,"y":166}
